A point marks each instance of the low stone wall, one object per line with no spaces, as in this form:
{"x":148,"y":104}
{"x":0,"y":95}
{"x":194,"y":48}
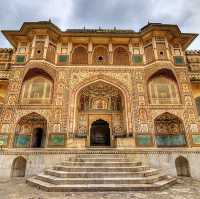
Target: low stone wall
{"x":38,"y":160}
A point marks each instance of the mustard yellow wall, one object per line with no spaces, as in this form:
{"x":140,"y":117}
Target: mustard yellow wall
{"x":196,"y":89}
{"x":3,"y":90}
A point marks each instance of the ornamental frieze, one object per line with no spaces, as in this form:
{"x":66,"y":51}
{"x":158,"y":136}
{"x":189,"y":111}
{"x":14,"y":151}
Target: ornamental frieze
{"x":194,"y":76}
{"x":156,"y":113}
{"x":45,"y":113}
{"x":4,"y":74}
{"x":77,"y":77}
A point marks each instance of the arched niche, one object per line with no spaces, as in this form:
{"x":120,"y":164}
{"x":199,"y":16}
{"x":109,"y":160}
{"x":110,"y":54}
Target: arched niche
{"x":80,"y":55}
{"x":31,"y":131}
{"x":163,"y":88}
{"x":169,"y":131}
{"x":121,"y":56}
{"x":18,"y":167}
{"x":182,"y":166}
{"x":37,"y":87}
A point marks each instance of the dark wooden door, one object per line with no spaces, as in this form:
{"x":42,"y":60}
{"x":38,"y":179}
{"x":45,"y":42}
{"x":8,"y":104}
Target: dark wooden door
{"x":100,"y":133}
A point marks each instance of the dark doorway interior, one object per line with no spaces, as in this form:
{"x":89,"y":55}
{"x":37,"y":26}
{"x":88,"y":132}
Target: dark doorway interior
{"x":37,"y":139}
{"x":100,"y":133}
{"x":19,"y":167}
{"x":182,"y":166}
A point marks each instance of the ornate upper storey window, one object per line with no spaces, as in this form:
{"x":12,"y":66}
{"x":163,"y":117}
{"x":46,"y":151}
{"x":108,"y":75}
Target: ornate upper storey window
{"x":163,"y":90}
{"x":100,"y":96}
{"x":37,"y":90}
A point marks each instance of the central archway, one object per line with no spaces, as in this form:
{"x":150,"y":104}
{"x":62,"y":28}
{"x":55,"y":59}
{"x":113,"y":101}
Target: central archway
{"x":100,"y":100}
{"x":100,"y":133}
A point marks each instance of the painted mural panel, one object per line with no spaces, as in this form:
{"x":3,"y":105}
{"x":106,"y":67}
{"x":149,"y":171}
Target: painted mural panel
{"x":4,"y":139}
{"x":196,"y":139}
{"x":22,"y":141}
{"x":57,"y":140}
{"x":170,"y":140}
{"x":144,"y":140}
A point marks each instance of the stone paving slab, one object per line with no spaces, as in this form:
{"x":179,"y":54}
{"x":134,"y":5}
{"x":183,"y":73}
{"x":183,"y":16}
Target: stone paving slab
{"x":186,"y":188}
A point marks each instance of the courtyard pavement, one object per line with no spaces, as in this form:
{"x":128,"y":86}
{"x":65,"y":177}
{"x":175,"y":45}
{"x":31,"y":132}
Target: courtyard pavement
{"x":186,"y":188}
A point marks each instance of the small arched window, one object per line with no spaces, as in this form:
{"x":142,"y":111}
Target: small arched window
{"x":37,"y":90}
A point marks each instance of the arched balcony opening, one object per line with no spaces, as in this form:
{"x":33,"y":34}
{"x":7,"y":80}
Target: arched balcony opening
{"x":121,"y":56}
{"x":80,"y":55}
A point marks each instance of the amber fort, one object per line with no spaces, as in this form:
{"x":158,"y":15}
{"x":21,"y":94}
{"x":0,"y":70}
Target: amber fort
{"x":99,"y":109}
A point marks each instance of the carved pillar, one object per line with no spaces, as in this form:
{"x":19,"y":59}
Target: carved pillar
{"x":110,"y":49}
{"x":167,"y":49}
{"x":46,"y":45}
{"x":154,"y":48}
{"x":70,"y":51}
{"x":130,"y":47}
{"x":142,"y":52}
{"x":33,"y":47}
{"x":58,"y":50}
{"x":90,"y":49}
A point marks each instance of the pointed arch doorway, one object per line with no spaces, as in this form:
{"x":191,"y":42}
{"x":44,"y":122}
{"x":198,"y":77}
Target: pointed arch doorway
{"x":100,"y":133}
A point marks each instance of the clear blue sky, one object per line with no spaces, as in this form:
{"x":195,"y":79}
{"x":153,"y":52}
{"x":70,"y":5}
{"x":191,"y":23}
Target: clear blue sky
{"x":127,"y":14}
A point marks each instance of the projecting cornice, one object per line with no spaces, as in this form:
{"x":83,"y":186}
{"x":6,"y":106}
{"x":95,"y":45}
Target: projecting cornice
{"x":28,"y":30}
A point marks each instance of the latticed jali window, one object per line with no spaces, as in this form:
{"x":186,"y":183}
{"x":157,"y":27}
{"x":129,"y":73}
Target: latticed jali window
{"x":51,"y":52}
{"x":149,"y":53}
{"x":37,"y":90}
{"x":163,"y":90}
{"x":161,"y":49}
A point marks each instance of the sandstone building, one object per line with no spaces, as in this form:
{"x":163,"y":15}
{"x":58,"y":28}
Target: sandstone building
{"x":91,"y":88}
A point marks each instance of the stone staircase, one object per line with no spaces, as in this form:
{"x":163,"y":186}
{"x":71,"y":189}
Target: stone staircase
{"x":101,"y":172}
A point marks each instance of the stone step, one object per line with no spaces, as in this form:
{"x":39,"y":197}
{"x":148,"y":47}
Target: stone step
{"x":100,"y":169}
{"x":64,"y":174}
{"x":102,"y":156}
{"x":164,"y":183}
{"x":102,"y":164}
{"x":135,"y":180}
{"x":100,"y":159}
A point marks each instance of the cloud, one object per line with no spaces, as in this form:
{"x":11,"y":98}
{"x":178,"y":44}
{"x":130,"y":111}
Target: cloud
{"x":127,"y":14}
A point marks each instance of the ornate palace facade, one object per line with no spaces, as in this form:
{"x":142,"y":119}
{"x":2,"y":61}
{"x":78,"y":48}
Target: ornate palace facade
{"x":95,"y":87}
